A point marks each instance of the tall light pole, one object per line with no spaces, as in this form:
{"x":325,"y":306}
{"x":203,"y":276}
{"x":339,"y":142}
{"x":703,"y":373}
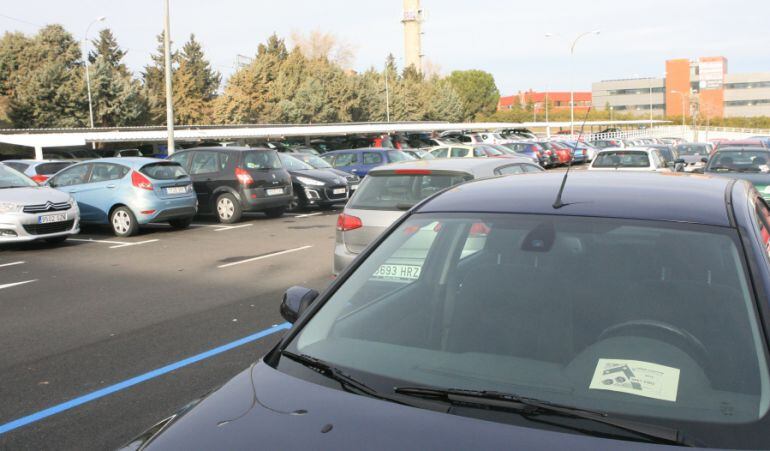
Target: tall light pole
{"x":169,"y":92}
{"x":387,"y":96}
{"x":572,"y":81}
{"x":651,"y":80}
{"x":88,"y":76}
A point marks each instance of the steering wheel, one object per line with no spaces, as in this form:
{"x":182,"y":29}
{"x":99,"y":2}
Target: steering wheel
{"x":671,"y":334}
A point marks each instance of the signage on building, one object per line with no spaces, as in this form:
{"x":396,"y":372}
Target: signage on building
{"x":712,"y":74}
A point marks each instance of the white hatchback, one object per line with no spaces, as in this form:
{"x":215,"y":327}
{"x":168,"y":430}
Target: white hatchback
{"x":635,"y":159}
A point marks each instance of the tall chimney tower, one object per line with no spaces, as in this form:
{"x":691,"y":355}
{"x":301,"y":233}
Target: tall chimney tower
{"x":413,"y":34}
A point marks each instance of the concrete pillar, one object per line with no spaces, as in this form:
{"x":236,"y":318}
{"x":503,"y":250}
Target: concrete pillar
{"x":38,"y":152}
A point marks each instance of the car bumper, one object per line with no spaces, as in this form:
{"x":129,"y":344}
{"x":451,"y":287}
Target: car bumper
{"x":342,"y":258}
{"x":21,"y":227}
{"x":162,"y":210}
{"x":258,"y":200}
{"x":324,"y":195}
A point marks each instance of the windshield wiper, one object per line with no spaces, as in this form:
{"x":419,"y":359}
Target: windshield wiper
{"x":720,"y":168}
{"x":532,"y":407}
{"x":348,"y":382}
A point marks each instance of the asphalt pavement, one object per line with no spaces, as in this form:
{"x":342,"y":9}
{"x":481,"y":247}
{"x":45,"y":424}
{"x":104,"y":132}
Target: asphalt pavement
{"x":95,"y":332}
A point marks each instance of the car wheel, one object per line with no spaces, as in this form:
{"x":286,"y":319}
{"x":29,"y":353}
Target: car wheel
{"x":56,"y":240}
{"x":228,"y":209}
{"x":180,"y":223}
{"x":275,"y":212}
{"x":296,"y":203}
{"x":123,"y":222}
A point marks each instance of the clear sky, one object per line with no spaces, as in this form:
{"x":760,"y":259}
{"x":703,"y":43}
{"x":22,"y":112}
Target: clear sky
{"x":504,"y":37}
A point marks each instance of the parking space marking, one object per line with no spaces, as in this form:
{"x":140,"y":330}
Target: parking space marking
{"x":221,"y":228}
{"x":37,"y":416}
{"x":309,"y":215}
{"x":16,"y":284}
{"x":11,"y":264}
{"x":137,"y":243}
{"x":91,"y":240}
{"x":261,"y":257}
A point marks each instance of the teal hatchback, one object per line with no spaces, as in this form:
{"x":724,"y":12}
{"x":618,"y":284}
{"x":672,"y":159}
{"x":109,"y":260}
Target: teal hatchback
{"x":128,"y":192}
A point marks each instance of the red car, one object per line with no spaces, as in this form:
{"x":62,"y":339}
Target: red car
{"x":563,"y":152}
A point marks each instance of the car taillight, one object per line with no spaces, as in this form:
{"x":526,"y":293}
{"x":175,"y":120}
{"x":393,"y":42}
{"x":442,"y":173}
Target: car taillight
{"x":140,"y":181}
{"x":348,"y":222}
{"x":413,"y":171}
{"x":243,"y":176}
{"x":39,"y":178}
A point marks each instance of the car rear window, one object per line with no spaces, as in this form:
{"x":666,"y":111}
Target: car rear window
{"x":51,"y":168}
{"x":167,"y":170}
{"x":392,"y":191}
{"x":622,"y":159}
{"x":692,"y":149}
{"x":264,"y":159}
{"x":21,"y":167}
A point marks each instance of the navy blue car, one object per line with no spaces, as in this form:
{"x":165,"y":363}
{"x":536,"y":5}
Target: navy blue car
{"x":451,"y":332}
{"x":360,"y":161}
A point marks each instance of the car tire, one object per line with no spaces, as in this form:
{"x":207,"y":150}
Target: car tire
{"x":228,"y":209}
{"x":180,"y":223}
{"x":123,"y":222}
{"x":296,"y":204}
{"x":56,"y":240}
{"x":275,"y":212}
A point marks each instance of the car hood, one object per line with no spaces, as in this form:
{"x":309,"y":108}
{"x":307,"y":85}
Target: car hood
{"x":346,"y":175}
{"x":33,"y":195}
{"x":264,"y":408}
{"x":324,"y":175}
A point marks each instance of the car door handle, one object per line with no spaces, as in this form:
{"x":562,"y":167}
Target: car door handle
{"x":111,"y":186}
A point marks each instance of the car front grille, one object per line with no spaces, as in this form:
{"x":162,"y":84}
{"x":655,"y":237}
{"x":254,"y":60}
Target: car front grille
{"x":53,"y":227}
{"x":48,"y":206}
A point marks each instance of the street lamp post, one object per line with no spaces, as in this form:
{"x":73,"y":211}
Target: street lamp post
{"x":572,"y":82}
{"x":611,"y":109}
{"x":169,"y":91}
{"x":651,"y":80}
{"x":88,"y":76}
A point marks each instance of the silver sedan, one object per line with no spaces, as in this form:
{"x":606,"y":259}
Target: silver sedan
{"x":30,"y":212}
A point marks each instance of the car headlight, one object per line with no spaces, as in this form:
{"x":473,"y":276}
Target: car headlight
{"x":10,"y":207}
{"x":310,"y":182}
{"x":72,"y":202}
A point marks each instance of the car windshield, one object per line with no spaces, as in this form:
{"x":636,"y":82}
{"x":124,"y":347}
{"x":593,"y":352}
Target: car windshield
{"x":392,"y":191}
{"x":622,"y":159}
{"x":740,"y":161}
{"x":313,"y":160}
{"x":51,"y":168}
{"x":692,"y":149}
{"x":491,"y":151}
{"x":397,"y":155}
{"x":294,"y":164}
{"x":11,"y":178}
{"x":166,"y":170}
{"x":647,"y":319}
{"x":265,"y":159}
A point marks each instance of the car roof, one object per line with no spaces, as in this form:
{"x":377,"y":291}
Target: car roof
{"x":646,"y":149}
{"x":226,"y":149}
{"x":127,"y":161}
{"x":745,"y":142}
{"x":362,"y":149}
{"x":470,"y":165}
{"x":31,"y":161}
{"x":664,"y":197}
{"x":738,"y":148}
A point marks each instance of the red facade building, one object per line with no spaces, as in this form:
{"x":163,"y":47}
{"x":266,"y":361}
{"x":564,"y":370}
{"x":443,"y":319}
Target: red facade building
{"x":557,"y":100}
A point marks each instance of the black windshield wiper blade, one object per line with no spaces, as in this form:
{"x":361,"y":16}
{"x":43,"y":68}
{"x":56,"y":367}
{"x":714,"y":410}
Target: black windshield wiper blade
{"x":348,"y":382}
{"x":532,"y":407}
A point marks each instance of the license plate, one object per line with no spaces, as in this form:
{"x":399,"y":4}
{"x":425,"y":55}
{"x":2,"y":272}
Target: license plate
{"x":47,"y":219}
{"x":176,"y":190}
{"x":409,"y":272}
{"x":339,"y":191}
{"x":274,"y":191}
{"x":353,"y":187}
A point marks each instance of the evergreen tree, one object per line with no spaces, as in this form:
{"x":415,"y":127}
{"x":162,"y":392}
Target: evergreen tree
{"x":477,"y":91}
{"x":195,"y":85}
{"x":116,"y":97}
{"x":48,"y":87}
{"x":154,"y":82}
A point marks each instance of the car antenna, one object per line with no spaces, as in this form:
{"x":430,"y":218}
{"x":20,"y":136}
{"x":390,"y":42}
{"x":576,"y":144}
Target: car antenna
{"x":558,"y":203}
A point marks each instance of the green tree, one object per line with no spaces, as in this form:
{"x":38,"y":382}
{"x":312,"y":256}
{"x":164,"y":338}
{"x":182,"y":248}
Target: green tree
{"x":477,"y":91}
{"x":117,"y":98}
{"x":154,"y":82}
{"x":444,"y":104}
{"x":195,"y":85}
{"x":48,"y":87}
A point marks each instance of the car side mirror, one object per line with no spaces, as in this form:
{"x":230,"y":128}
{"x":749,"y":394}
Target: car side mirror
{"x":295,"y":301}
{"x":704,"y":160}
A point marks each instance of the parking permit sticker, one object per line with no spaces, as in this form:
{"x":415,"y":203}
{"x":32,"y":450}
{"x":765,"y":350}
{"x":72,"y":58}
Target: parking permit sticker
{"x":636,"y":378}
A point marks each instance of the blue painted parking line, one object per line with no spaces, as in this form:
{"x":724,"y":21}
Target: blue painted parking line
{"x":37,"y":416}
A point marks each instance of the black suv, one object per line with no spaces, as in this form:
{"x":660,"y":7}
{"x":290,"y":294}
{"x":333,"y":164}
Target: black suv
{"x":231,"y":180}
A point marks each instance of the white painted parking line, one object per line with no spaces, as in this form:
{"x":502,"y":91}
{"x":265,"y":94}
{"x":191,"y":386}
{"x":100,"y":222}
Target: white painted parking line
{"x":309,"y":215}
{"x":91,"y":240}
{"x":9,"y":285}
{"x":221,"y":228}
{"x":262,"y":257}
{"x":132,"y":244}
{"x":11,"y":264}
